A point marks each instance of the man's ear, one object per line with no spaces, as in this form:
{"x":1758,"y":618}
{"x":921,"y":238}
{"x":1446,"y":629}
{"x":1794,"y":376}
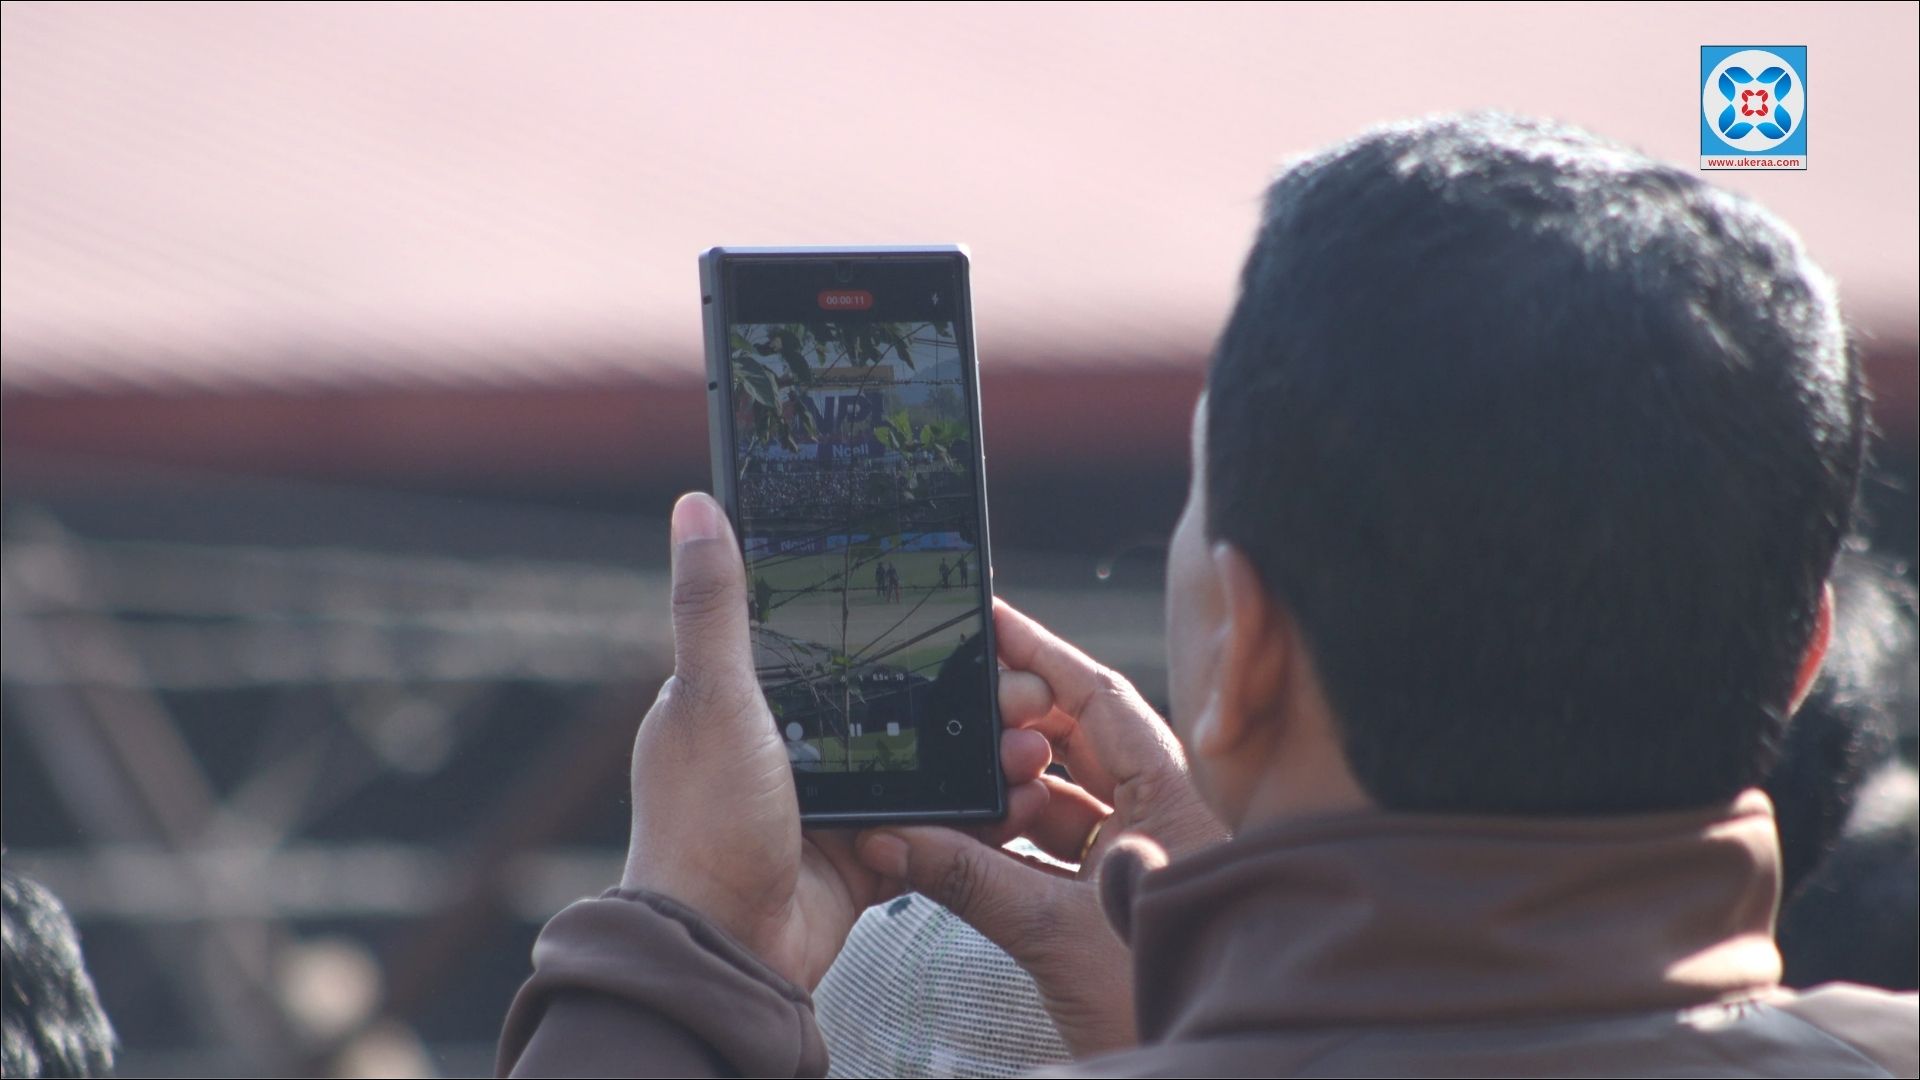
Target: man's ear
{"x":1252,"y":671}
{"x":1816,"y":650}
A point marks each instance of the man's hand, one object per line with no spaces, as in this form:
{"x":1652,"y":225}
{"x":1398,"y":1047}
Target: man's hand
{"x":1129,"y":775}
{"x":716,"y":822}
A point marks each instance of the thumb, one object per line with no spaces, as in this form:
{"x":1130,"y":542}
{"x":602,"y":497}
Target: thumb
{"x":1000,"y":894}
{"x":710,"y":648}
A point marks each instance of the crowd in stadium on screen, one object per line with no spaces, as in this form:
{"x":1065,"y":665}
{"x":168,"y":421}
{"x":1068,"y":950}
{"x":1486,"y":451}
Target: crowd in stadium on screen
{"x":811,"y":490}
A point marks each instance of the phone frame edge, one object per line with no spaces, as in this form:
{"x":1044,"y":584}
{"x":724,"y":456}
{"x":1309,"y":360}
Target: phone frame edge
{"x":719,"y":439}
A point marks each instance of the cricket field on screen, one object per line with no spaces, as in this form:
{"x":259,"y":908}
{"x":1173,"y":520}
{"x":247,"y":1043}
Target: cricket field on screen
{"x":858,"y":517}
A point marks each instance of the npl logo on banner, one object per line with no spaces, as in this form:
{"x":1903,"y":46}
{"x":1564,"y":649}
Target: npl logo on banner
{"x":1753,"y":107}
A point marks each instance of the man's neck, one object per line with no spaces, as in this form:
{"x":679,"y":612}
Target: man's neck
{"x":1302,"y":791}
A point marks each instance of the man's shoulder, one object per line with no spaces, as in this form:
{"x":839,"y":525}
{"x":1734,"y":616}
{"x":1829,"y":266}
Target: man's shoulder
{"x":1833,"y":1030}
{"x":1265,"y":1054}
{"x":1879,"y":1024}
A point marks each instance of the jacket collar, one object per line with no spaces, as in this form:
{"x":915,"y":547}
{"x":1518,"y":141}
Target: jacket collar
{"x":1412,"y":918}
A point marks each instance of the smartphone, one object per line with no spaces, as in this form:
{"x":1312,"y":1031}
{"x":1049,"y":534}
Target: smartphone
{"x":844,"y":412}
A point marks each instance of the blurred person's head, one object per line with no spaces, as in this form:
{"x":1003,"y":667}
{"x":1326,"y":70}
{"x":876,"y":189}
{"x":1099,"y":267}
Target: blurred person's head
{"x":51,"y":1023}
{"x":904,"y":1000}
{"x":1856,"y":918}
{"x":1849,"y":810}
{"x":1522,"y":466}
{"x":1845,"y":730}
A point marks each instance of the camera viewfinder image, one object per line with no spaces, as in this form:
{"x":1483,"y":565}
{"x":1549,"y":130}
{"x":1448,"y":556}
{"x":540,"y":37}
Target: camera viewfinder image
{"x":858,"y":518}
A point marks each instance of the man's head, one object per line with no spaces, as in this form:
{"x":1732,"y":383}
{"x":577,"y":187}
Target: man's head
{"x":1523,"y":463}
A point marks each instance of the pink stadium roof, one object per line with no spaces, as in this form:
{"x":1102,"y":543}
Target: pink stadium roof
{"x":238,"y":198}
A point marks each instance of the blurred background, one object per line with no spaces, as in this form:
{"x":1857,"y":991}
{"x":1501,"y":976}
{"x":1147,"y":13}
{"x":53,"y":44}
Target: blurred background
{"x":352,"y":360}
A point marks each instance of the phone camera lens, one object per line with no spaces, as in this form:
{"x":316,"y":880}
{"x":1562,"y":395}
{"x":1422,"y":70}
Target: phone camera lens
{"x":842,"y":271}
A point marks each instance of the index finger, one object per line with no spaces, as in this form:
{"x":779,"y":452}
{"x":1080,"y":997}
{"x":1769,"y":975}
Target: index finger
{"x":1100,"y":726}
{"x":1025,"y":645}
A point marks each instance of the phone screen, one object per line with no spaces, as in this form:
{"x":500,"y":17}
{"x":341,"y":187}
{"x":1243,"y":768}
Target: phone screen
{"x":855,"y":482}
